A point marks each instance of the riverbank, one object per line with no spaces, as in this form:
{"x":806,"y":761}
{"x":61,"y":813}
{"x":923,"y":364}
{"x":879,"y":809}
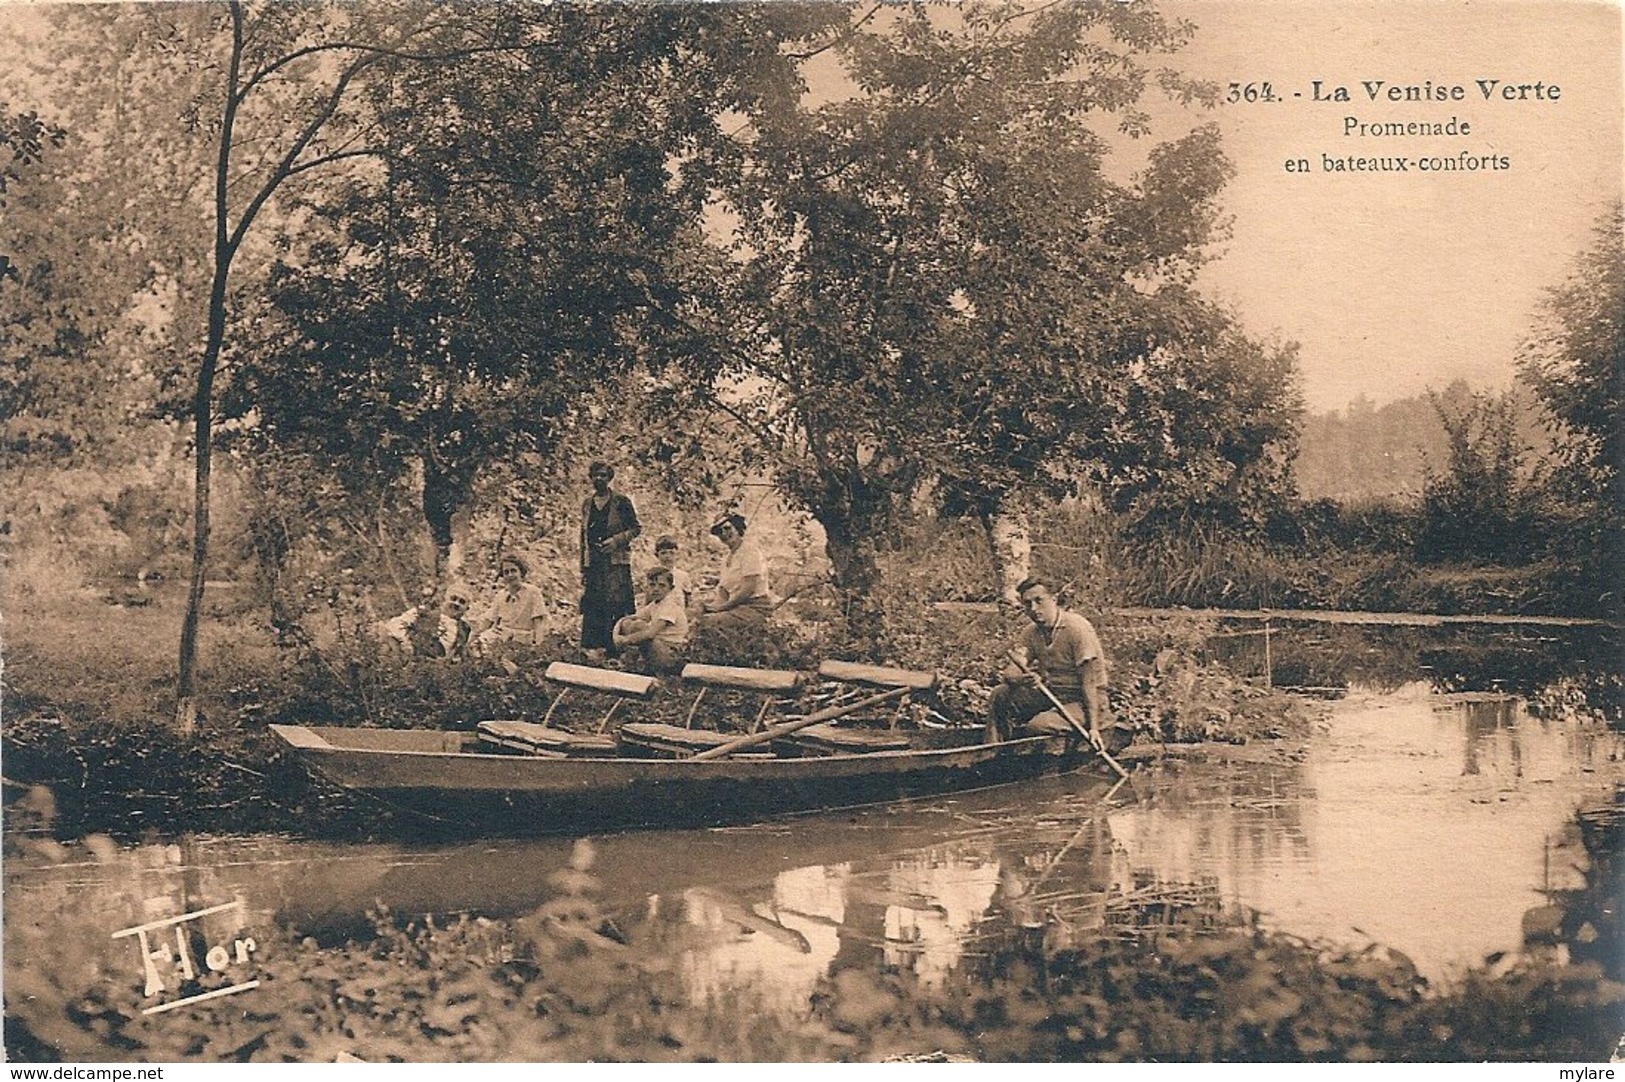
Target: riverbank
{"x":88,"y":747}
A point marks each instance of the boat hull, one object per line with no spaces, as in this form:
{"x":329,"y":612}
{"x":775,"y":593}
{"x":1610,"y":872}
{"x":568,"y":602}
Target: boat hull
{"x":441,"y":779}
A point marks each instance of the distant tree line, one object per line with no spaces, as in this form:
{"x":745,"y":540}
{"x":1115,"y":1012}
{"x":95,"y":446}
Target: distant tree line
{"x":1527,"y":475}
{"x":1370,"y":452}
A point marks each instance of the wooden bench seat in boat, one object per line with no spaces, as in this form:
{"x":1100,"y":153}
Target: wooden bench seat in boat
{"x":880,"y":676}
{"x":622,"y":685}
{"x":673,"y":740}
{"x":775,"y":681}
{"x":853,"y":680}
{"x":612,"y":681}
{"x":537,"y":739}
{"x":768,"y":683}
{"x":829,"y":739}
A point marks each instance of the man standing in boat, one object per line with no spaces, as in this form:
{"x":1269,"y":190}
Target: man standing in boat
{"x":1063,"y":651}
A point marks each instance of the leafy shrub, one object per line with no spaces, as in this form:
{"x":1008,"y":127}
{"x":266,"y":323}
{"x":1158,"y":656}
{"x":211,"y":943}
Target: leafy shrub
{"x":1482,"y":504}
{"x":1384,"y":525}
{"x":137,"y":779}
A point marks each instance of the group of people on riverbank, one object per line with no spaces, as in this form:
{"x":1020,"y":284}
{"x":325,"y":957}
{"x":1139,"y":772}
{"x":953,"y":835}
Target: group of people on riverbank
{"x":1055,"y":681}
{"x":446,"y":625}
{"x":658,"y":634}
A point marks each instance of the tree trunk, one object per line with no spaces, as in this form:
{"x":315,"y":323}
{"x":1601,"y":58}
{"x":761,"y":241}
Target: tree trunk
{"x":444,"y":497}
{"x":203,"y":399}
{"x":1009,"y":536}
{"x":202,"y":413}
{"x":227,"y":240}
{"x":851,"y":550}
{"x":457,"y":554}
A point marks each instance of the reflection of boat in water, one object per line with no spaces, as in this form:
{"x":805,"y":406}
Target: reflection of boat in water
{"x":327,"y":888}
{"x":443,"y":777}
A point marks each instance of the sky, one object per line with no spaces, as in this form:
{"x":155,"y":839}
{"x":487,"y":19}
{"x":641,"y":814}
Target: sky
{"x":1396,"y":281}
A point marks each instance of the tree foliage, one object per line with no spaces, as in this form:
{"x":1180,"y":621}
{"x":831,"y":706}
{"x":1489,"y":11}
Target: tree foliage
{"x":944,"y":285}
{"x":107,"y":236}
{"x":23,"y":140}
{"x":1367,"y":451}
{"x":889,"y":245}
{"x":1575,"y":361}
{"x":270,"y":130}
{"x":1197,"y":426}
{"x":531,"y":233}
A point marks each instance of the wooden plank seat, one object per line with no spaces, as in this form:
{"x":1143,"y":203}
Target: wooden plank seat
{"x":767,"y":682}
{"x":775,"y":681}
{"x":533,"y":738}
{"x":830,"y":739}
{"x":623,"y":685}
{"x":880,"y":676}
{"x":613,"y":681}
{"x":851,"y":680}
{"x":673,"y":741}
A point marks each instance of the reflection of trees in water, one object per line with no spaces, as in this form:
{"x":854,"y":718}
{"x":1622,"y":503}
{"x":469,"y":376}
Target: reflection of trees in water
{"x":1522,"y":660}
{"x":1484,"y":719}
{"x":1528,"y":661}
{"x":1249,"y":812}
{"x":1313,"y":655}
{"x":1507,"y":739}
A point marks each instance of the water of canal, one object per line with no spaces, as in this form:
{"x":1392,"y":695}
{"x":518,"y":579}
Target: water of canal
{"x":1428,"y":822}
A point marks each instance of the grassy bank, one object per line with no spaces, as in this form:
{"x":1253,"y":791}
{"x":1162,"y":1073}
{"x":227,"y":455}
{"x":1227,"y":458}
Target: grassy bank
{"x":88,"y":698}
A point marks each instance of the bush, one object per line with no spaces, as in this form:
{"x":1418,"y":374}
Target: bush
{"x":1381,"y":525}
{"x":1483,"y":504}
{"x":132,"y":780}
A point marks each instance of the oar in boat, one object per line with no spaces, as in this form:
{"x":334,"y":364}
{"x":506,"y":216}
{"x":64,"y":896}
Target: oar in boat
{"x":1087,"y":733}
{"x":789,"y":727}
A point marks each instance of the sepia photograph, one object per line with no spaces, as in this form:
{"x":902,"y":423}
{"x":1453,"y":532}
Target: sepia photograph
{"x":981,"y":532}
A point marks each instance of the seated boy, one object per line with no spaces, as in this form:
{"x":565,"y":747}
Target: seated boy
{"x":666,"y":553}
{"x":659,"y":629}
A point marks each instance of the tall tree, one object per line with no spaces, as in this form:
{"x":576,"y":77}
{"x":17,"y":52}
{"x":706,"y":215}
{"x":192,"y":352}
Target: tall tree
{"x":943,"y":282}
{"x":286,"y":73}
{"x":1575,"y":361}
{"x":532,"y":233}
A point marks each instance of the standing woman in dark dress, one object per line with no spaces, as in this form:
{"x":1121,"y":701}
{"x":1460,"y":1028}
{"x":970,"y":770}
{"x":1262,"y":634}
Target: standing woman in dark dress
{"x":609,"y":522}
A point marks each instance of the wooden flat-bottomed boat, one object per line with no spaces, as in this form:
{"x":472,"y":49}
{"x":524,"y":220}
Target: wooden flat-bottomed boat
{"x":530,"y":778}
{"x":446,"y":777}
